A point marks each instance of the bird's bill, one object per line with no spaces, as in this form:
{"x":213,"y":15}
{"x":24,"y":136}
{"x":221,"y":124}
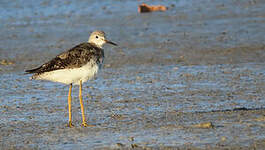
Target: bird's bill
{"x":111,"y":42}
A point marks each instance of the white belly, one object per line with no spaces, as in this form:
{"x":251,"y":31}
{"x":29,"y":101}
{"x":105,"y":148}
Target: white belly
{"x":68,"y":76}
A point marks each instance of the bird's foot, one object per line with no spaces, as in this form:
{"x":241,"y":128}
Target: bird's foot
{"x":84,"y":124}
{"x":70,"y":124}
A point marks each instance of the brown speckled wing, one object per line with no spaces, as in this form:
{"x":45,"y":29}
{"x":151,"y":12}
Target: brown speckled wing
{"x":73,"y":58}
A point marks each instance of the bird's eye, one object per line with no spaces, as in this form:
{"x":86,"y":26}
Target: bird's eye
{"x":96,"y":36}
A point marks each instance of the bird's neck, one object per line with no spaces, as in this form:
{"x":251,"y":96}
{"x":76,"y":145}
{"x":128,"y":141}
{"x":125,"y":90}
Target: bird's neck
{"x":96,"y":45}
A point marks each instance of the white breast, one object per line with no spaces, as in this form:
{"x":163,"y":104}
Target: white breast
{"x":68,"y":76}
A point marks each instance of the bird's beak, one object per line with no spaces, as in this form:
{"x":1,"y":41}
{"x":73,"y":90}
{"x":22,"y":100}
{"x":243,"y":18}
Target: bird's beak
{"x":111,"y":42}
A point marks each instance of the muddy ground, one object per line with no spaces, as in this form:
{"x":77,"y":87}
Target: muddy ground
{"x":191,"y":77}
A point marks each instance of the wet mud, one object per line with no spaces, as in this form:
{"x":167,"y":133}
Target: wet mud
{"x":192,"y":77}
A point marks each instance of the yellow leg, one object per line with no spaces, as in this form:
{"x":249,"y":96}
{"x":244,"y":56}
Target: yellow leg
{"x":69,"y":106}
{"x":82,"y":107}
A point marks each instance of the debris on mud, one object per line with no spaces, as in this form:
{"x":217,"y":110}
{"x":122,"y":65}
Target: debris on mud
{"x":203,"y":125}
{"x":6,"y":62}
{"x":144,"y":8}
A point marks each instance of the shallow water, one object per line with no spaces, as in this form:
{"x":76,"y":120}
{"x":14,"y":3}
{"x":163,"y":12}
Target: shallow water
{"x":198,"y":62}
{"x":157,"y":104}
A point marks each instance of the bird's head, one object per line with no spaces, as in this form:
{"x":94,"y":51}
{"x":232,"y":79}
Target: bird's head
{"x":99,"y":39}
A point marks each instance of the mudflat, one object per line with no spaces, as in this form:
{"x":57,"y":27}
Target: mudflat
{"x":192,"y":77}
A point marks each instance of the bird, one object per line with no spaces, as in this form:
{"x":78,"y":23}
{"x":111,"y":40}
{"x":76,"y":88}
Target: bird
{"x":75,"y":66}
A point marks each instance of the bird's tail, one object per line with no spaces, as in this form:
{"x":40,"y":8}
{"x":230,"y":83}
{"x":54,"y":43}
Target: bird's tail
{"x":35,"y":70}
{"x":31,"y":71}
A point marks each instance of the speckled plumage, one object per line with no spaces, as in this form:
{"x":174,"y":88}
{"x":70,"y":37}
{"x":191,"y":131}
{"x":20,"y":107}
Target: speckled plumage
{"x":75,"y":66}
{"x":84,"y":54}
{"x":73,"y":58}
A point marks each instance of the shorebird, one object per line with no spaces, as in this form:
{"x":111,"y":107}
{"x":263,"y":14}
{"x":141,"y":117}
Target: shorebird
{"x":75,"y":66}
